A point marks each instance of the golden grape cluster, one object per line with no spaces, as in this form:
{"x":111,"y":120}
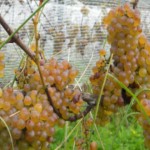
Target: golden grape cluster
{"x":131,"y":66}
{"x":107,"y":106}
{"x":2,"y":65}
{"x":123,"y":31}
{"x":31,"y":122}
{"x":143,"y":79}
{"x":57,"y":76}
{"x":28,"y":112}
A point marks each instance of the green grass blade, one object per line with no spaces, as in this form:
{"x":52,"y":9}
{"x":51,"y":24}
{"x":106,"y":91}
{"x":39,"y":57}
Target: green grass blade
{"x":132,"y":94}
{"x":102,"y":88}
{"x":70,"y":133}
{"x":66,"y":132}
{"x":133,"y":99}
{"x":131,"y":103}
{"x":11,"y":139}
{"x":100,"y":139}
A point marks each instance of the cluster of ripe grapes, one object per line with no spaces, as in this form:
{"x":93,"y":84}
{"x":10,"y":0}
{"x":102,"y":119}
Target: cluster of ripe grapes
{"x":28,"y":111}
{"x":143,"y":79}
{"x":131,"y":66}
{"x":31,"y":122}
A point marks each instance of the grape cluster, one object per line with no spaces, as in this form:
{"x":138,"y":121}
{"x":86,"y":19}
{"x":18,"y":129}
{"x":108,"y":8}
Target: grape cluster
{"x":2,"y":65}
{"x":123,"y":33}
{"x":31,"y":121}
{"x":111,"y":94}
{"x":131,"y":66}
{"x":143,"y":79}
{"x":144,"y":116}
{"x":28,"y":111}
{"x":123,"y":46}
{"x":57,"y":76}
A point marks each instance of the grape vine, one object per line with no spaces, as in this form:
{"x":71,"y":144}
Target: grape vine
{"x":44,"y":99}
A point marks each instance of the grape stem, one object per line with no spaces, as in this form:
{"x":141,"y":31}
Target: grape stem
{"x":35,"y":22}
{"x":88,"y":98}
{"x":16,"y":39}
{"x":135,"y":3}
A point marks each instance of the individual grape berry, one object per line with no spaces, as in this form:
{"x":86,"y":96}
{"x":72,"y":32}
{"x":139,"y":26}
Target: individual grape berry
{"x":93,"y":146}
{"x":20,"y":124}
{"x":30,"y":136}
{"x":44,"y":115}
{"x":19,"y":96}
{"x":38,"y":107}
{"x":27,"y":100}
{"x":6,"y":106}
{"x":30,"y":125}
{"x":16,"y":133}
{"x":24,"y":114}
{"x":35,"y":116}
{"x":142,"y":72}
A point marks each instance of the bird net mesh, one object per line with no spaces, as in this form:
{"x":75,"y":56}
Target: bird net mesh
{"x":69,"y":29}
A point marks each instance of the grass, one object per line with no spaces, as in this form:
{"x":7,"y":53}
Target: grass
{"x":122,"y":136}
{"x":5,"y":124}
{"x":126,"y":138}
{"x":116,"y":135}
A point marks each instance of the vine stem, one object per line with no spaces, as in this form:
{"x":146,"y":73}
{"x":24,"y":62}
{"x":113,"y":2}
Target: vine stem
{"x":135,"y":3}
{"x":15,"y":39}
{"x":35,"y":22}
{"x":21,"y":26}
